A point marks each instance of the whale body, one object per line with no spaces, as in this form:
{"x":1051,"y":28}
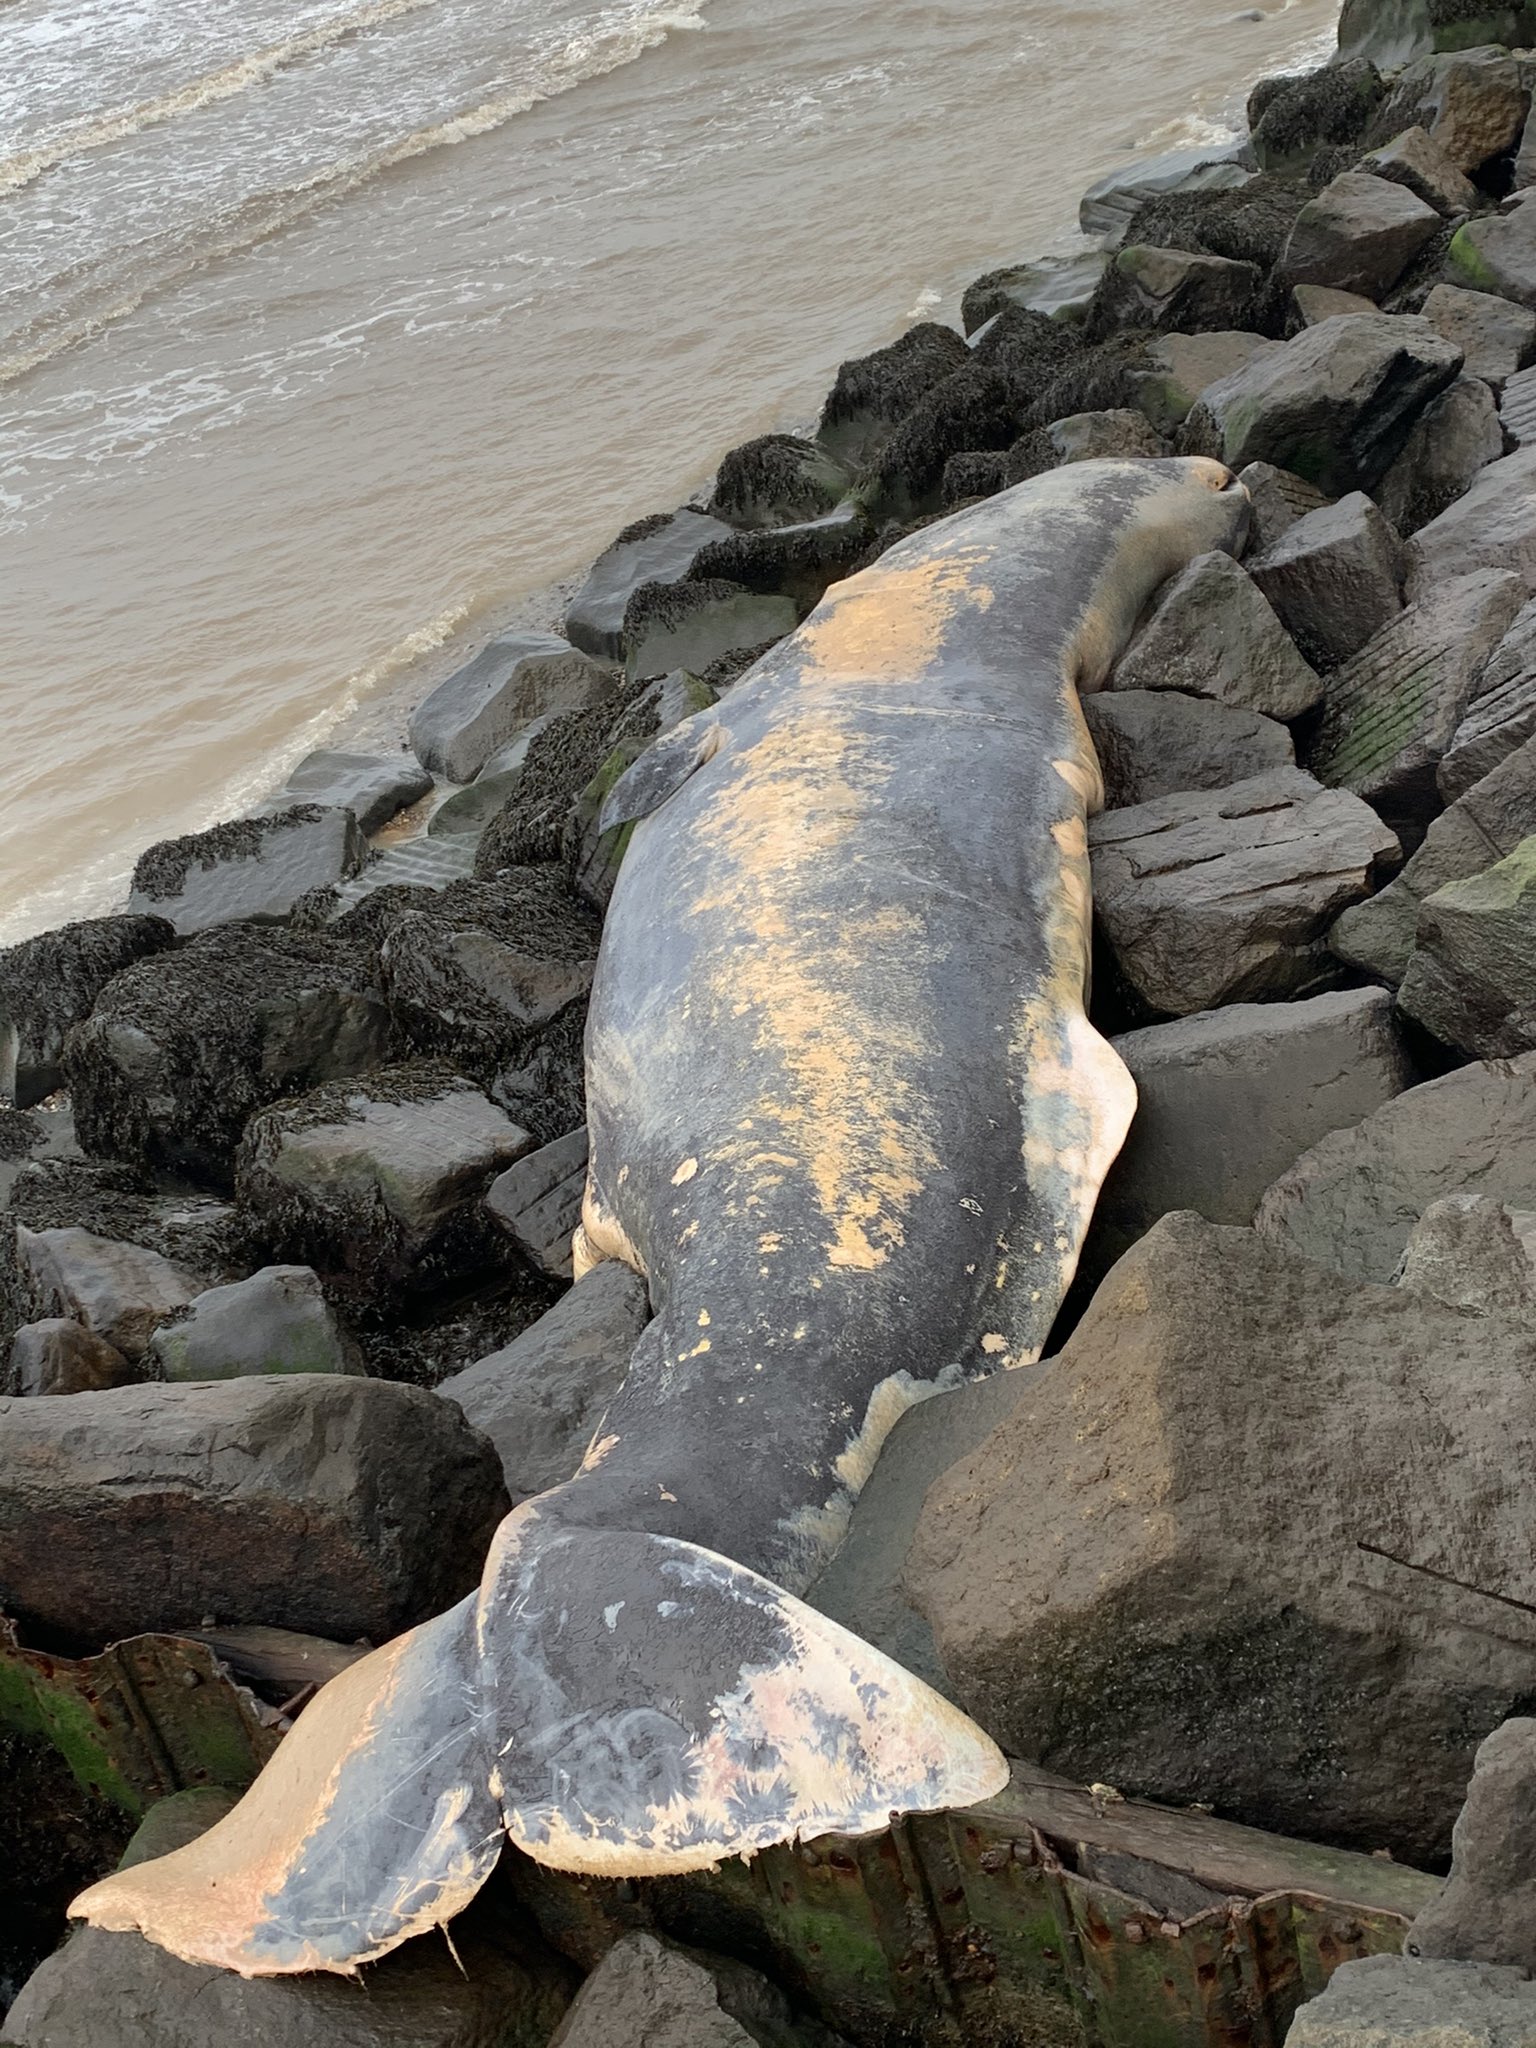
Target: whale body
{"x":849,"y":1118}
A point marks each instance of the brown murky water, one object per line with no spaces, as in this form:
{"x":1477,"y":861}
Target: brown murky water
{"x":331,"y":329}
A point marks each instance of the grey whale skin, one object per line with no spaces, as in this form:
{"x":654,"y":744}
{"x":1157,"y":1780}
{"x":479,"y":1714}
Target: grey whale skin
{"x":850,"y":1119}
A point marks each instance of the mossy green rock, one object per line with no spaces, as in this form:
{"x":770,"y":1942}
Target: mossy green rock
{"x":1472,"y":977}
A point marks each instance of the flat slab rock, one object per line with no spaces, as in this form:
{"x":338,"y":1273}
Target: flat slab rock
{"x":1484,"y":825}
{"x":252,"y":871}
{"x":1225,"y":896}
{"x":1153,"y":743}
{"x":373,"y":787}
{"x":1401,"y":2002}
{"x":541,"y":1397}
{"x":337,"y":1507}
{"x":537,"y":1202}
{"x":383,"y":1177}
{"x":1230,"y":1098}
{"x":1392,"y":712}
{"x":661,"y":549}
{"x":1212,"y":633}
{"x":1353,"y":1200}
{"x":484,"y":704}
{"x":1174,"y":1495}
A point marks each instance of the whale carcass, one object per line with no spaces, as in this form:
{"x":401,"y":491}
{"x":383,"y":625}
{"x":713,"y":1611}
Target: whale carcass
{"x":850,"y":1119}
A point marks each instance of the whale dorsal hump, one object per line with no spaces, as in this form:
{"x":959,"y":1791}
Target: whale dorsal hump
{"x":661,"y":771}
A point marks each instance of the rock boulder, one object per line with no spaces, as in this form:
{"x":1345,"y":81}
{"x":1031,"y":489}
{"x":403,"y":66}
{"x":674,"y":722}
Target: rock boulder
{"x":1471,"y":978}
{"x":486,"y":703}
{"x":250,"y":871}
{"x":1212,"y":633}
{"x":49,"y":984}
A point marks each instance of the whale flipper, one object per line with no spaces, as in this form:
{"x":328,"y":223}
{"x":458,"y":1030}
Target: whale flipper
{"x":373,"y":1822}
{"x":660,"y":772}
{"x":641,"y":1706}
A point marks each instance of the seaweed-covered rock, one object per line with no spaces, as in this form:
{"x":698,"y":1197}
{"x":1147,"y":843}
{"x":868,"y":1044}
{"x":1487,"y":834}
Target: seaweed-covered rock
{"x":1487,"y":1911}
{"x":1394,"y":32}
{"x":659,"y":549}
{"x":654,"y":1991}
{"x":338,"y":1507}
{"x":120,"y":1292}
{"x":180,"y":1050}
{"x":1181,"y":366}
{"x":1359,"y":234}
{"x":49,"y":983}
{"x":1174,"y":291}
{"x":486,"y":703}
{"x":1497,"y":253}
{"x":1457,"y":435}
{"x":1471,"y":978}
{"x":1212,"y":633}
{"x":1058,"y":287}
{"x":1110,"y":205}
{"x":1278,"y":498}
{"x":1335,"y":404}
{"x":1469,"y":1252}
{"x":1501,"y":716}
{"x":797,"y":563}
{"x":1415,"y":160}
{"x":975,"y":407}
{"x":777,"y":480}
{"x":60,"y":1356}
{"x":1392,"y":711}
{"x":1353,"y":1200}
{"x":1250,"y":224}
{"x":1173,"y":1565}
{"x":1225,"y":896}
{"x":1292,"y":117}
{"x":1492,"y":527}
{"x":1152,"y":743}
{"x":1230,"y":1098}
{"x":1489,"y":821}
{"x":491,"y":965}
{"x":1473,"y":103}
{"x":250,"y":871}
{"x":690,"y":624}
{"x":541,"y":1397}
{"x":537,"y":1202}
{"x":372,"y":787}
{"x":1334,"y":579}
{"x":562,"y":759}
{"x":874,"y":393}
{"x":278,"y":1320}
{"x":380,"y":1183}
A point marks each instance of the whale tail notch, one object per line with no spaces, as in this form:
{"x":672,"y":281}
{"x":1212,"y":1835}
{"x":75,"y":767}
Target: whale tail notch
{"x":618,"y":1704}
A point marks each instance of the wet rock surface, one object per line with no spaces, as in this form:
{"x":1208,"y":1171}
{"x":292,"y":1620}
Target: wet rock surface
{"x":1214,"y":634}
{"x":1153,"y":743}
{"x":252,"y":871}
{"x":507,"y":685}
{"x":1333,"y":579}
{"x":49,"y":984}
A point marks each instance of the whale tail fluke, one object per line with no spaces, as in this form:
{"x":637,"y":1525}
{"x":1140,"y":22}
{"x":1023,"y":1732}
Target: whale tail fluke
{"x":691,"y":1710}
{"x":618,"y":1704}
{"x":373,"y":1822}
